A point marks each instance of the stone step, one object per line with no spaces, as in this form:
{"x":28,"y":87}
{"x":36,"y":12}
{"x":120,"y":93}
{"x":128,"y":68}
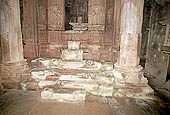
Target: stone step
{"x":90,"y":87}
{"x":63,"y":94}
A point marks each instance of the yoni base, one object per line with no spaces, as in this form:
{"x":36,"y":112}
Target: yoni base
{"x":11,"y":71}
{"x":130,"y":82}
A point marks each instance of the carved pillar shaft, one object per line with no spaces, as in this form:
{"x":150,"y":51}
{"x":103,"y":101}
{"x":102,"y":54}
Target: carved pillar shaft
{"x":11,"y":38}
{"x":130,"y":32}
{"x":96,"y":14}
{"x":129,"y":79}
{"x":130,"y":42}
{"x":130,"y":39}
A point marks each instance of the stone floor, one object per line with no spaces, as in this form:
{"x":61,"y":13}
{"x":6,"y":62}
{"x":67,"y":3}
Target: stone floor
{"x":15,"y":102}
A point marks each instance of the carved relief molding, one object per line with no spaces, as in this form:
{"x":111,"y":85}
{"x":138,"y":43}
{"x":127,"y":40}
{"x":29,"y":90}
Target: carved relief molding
{"x":56,"y":15}
{"x":96,"y":15}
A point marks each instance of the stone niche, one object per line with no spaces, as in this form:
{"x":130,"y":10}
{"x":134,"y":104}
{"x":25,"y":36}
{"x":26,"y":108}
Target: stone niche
{"x":76,"y":14}
{"x":85,"y":14}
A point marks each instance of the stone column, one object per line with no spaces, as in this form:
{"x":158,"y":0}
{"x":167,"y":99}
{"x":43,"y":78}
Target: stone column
{"x":130,"y":72}
{"x":11,"y":39}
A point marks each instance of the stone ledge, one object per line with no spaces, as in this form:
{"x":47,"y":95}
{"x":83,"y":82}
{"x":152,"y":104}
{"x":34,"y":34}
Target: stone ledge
{"x":135,"y":69}
{"x":134,"y":92}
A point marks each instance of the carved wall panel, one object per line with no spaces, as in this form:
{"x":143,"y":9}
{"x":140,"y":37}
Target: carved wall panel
{"x":56,"y":15}
{"x":96,"y":14}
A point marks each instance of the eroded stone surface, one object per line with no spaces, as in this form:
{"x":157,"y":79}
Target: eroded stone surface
{"x":93,"y":77}
{"x":72,"y":72}
{"x":64,"y":95}
{"x":87,"y":75}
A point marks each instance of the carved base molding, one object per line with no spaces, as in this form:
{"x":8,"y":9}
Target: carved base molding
{"x":96,"y":27}
{"x":11,"y":71}
{"x":130,"y":82}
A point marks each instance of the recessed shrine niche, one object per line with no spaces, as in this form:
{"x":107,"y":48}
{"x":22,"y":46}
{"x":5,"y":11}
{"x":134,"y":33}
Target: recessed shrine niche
{"x":76,"y":14}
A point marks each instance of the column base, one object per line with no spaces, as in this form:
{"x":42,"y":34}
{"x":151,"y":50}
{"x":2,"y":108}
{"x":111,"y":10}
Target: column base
{"x":130,"y":82}
{"x":11,"y":71}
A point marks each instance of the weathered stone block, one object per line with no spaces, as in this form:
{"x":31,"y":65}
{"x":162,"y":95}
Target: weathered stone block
{"x":72,"y":55}
{"x":73,"y":45}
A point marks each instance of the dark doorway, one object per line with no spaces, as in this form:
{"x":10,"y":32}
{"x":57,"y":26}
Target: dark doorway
{"x":76,"y":11}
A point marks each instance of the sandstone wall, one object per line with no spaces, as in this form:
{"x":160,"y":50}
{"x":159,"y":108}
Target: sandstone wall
{"x":44,"y":35}
{"x":157,"y":54}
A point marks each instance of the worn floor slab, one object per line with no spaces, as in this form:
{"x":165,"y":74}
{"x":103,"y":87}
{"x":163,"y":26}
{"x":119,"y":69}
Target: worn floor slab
{"x":14,"y":102}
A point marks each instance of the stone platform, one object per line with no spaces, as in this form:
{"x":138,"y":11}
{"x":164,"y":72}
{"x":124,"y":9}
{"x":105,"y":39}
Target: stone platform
{"x":69,"y":79}
{"x":54,"y":81}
